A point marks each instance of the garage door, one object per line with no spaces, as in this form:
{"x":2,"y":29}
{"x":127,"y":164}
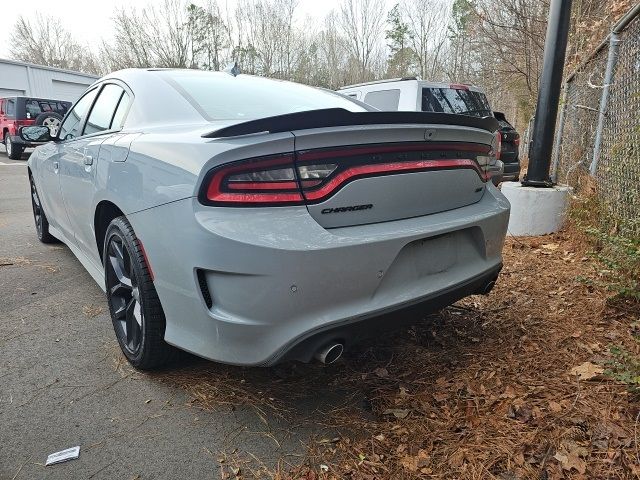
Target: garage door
{"x":8,"y":92}
{"x":69,"y":91}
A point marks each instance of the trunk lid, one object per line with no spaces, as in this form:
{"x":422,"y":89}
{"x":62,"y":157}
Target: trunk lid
{"x":360,"y":174}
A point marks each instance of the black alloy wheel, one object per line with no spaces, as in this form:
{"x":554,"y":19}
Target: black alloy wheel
{"x":40,"y":219}
{"x":124,"y":296}
{"x":136,"y":312}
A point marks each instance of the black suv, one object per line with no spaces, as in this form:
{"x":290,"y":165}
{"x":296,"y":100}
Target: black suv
{"x":509,"y":154}
{"x":16,"y":112}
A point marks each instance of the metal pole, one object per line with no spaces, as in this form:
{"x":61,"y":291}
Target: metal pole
{"x":559,"y":131}
{"x":555,"y":47}
{"x":612,"y":59}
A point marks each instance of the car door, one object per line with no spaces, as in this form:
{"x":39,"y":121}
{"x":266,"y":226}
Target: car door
{"x":79,"y":158}
{"x":49,"y":165}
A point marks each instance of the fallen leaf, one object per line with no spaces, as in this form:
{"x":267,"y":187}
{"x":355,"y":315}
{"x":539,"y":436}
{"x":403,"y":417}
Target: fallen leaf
{"x":381,"y":372}
{"x":509,"y":392}
{"x":440,"y":397}
{"x":569,"y":461}
{"x":587,"y":370}
{"x":555,"y":406}
{"x":396,"y":412}
{"x":414,"y":463}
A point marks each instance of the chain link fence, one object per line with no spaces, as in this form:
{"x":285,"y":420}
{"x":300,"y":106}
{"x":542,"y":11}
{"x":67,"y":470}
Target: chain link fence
{"x":603,"y":144}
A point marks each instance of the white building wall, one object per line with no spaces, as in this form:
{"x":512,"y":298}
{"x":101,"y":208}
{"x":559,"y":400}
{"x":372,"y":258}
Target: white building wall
{"x":18,"y":78}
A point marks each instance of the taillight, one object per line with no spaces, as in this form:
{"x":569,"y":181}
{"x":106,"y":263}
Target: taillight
{"x":254,"y":182}
{"x":22,"y":123}
{"x":491,"y":164}
{"x":497,"y":148}
{"x":312,"y":176}
{"x":516,"y":141}
{"x":335,"y":168}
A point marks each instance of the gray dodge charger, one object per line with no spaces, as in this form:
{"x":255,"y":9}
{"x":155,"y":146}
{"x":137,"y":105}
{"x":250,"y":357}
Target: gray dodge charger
{"x":251,"y":221}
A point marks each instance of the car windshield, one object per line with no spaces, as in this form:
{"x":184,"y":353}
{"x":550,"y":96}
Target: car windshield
{"x":455,"y":100}
{"x":221,"y":96}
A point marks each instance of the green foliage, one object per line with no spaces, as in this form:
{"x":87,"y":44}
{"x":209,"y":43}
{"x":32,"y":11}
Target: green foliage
{"x":207,"y":37}
{"x":617,"y":250}
{"x":625,"y":367}
{"x":402,"y":59}
{"x":399,"y":32}
{"x":461,"y":13}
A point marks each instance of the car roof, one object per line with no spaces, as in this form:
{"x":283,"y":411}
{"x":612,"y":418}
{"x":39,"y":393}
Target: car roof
{"x":420,"y":82}
{"x":34,"y":98}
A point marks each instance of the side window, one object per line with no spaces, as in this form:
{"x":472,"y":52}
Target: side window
{"x":104,"y":109}
{"x":123,"y":106}
{"x":10,"y":107}
{"x":33,"y":108}
{"x":384,"y":99}
{"x":70,"y":128}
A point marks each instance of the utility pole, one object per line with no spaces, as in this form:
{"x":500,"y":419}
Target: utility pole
{"x":544,"y":125}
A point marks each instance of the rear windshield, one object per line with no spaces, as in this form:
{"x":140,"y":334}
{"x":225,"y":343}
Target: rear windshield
{"x":455,"y":100}
{"x":220,"y":96}
{"x":34,"y":107}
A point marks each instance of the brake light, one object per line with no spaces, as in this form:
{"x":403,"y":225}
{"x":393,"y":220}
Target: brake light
{"x":23,"y":123}
{"x":459,"y":86}
{"x":490,"y":163}
{"x":255,"y":182}
{"x":313,"y":176}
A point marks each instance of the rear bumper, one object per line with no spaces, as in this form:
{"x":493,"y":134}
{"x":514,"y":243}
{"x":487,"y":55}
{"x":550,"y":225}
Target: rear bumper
{"x":366,"y":326}
{"x":276,"y":278}
{"x":511,"y":171}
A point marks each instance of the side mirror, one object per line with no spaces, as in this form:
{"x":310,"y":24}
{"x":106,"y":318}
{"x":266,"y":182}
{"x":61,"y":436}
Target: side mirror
{"x":39,"y":133}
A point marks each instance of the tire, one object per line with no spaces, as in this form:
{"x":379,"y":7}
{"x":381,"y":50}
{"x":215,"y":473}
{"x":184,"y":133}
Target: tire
{"x":40,"y":219}
{"x":14,"y":152}
{"x":136,"y":313}
{"x":51,"y":120}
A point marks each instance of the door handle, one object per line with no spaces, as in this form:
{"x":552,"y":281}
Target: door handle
{"x":88,"y":160}
{"x":56,"y":166}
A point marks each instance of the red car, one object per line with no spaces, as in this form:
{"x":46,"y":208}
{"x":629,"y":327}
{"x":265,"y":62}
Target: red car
{"x":16,"y":112}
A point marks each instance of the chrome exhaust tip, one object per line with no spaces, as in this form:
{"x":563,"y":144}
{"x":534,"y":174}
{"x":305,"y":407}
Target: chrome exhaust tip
{"x":329,"y":354}
{"x":488,"y":287}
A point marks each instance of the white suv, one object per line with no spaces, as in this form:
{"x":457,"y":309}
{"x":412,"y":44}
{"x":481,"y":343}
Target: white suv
{"x":413,"y":95}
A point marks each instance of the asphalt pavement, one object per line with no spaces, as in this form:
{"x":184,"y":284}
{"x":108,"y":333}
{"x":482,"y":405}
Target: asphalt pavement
{"x":63,"y":381}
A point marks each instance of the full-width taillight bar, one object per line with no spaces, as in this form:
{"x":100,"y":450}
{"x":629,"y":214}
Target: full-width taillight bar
{"x":312,"y":176}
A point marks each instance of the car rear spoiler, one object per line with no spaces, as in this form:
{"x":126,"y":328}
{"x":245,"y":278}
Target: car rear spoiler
{"x":338,"y":117}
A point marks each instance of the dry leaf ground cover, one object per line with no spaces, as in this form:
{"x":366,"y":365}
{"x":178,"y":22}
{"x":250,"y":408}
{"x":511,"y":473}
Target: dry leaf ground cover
{"x":507,"y":386}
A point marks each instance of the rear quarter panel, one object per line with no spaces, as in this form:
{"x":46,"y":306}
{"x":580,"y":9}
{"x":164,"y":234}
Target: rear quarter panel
{"x":161,"y":167}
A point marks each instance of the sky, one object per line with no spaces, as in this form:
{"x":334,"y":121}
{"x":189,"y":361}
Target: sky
{"x":90,"y":20}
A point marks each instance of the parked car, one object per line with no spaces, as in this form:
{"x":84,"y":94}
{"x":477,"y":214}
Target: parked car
{"x":251,"y":221}
{"x":510,"y":148}
{"x":411,"y":94}
{"x":16,"y":112}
